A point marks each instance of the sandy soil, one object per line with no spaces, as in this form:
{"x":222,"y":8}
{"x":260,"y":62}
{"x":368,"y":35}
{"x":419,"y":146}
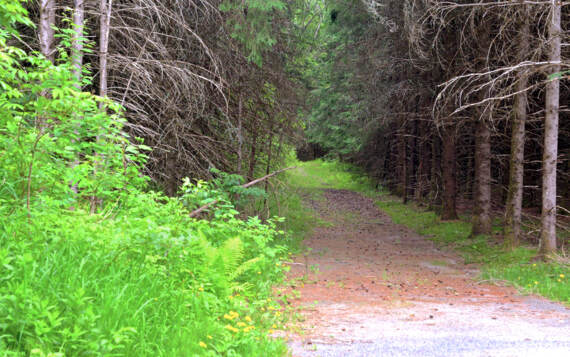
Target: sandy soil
{"x":372,"y":287}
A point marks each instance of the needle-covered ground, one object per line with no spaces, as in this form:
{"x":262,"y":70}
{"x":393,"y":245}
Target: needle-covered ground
{"x":369,"y":287}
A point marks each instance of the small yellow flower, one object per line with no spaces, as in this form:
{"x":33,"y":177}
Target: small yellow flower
{"x":209,"y":337}
{"x":559,"y":280}
{"x":562,"y":276}
{"x":231,"y":328}
{"x":534,"y":265}
{"x":270,"y":331}
{"x":258,"y":272}
{"x":230,"y":297}
{"x":202,"y":344}
{"x":241,"y":324}
{"x":200,"y":289}
{"x":277,"y":313}
{"x":277,"y":264}
{"x":536,"y":283}
{"x":274,"y":326}
{"x":232,"y":315}
{"x":262,"y":309}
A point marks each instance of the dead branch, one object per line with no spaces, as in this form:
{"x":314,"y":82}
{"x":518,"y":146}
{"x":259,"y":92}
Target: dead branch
{"x":249,"y":184}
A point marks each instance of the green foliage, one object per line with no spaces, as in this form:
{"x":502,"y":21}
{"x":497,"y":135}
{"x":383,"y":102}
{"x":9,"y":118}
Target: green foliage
{"x":224,"y":188}
{"x":147,"y":281}
{"x":12,"y":13}
{"x":251,"y":22}
{"x":138,"y":277}
{"x":338,"y":118}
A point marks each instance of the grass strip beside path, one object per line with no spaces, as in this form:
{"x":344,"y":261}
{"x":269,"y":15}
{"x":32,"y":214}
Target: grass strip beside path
{"x":549,"y":279}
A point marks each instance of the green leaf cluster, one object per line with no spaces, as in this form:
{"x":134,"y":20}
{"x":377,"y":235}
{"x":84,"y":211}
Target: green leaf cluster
{"x":251,"y":23}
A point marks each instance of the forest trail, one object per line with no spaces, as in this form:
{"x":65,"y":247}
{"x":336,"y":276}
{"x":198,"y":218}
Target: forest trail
{"x":370,"y":287}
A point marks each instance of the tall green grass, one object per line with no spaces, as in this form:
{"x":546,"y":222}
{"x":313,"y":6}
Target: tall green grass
{"x":146,"y":281}
{"x":319,"y":174}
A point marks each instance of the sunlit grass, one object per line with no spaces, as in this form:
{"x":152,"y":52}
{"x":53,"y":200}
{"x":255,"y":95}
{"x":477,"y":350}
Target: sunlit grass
{"x":516,"y":267}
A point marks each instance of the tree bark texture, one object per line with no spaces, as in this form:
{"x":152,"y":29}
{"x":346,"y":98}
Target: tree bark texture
{"x":550,"y":153}
{"x":77,"y":40}
{"x":481,"y":221}
{"x":46,"y":33}
{"x":240,"y":136}
{"x":105,"y":27}
{"x":513,"y":212}
{"x":403,"y":154}
{"x":252,"y":155}
{"x":449,"y":211}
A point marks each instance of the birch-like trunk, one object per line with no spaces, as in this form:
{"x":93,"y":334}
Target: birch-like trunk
{"x":513,"y":213}
{"x":105,"y":27}
{"x":481,"y":222}
{"x":46,"y":33}
{"x":77,"y":40}
{"x":77,"y":58}
{"x":549,"y":157}
{"x":105,"y":7}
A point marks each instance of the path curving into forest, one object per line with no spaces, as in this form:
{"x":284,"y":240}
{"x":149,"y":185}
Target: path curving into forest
{"x":375,"y":288}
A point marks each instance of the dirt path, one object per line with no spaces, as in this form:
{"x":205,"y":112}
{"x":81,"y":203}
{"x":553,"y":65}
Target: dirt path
{"x":374,"y":288}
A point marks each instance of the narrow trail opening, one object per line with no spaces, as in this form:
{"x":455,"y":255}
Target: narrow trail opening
{"x":369,"y":287}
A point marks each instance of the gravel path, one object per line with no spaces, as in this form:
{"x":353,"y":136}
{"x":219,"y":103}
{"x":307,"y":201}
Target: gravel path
{"x":378,"y":289}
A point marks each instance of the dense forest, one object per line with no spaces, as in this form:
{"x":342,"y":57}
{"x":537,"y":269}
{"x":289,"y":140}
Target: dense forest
{"x":459,"y":105}
{"x":120,"y":118}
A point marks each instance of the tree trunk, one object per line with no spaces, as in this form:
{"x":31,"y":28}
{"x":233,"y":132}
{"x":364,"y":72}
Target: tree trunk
{"x":240,"y":136}
{"x":105,"y":27}
{"x":105,"y":7}
{"x":77,"y":40}
{"x":481,"y":222}
{"x":449,"y":211}
{"x":435,"y":173}
{"x":403,"y":163}
{"x":513,"y":213}
{"x":268,"y":169}
{"x":46,"y":33}
{"x":550,"y":154}
{"x":413,"y":159}
{"x":252,"y":156}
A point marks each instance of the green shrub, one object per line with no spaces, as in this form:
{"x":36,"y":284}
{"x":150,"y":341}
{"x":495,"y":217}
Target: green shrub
{"x":138,"y":277}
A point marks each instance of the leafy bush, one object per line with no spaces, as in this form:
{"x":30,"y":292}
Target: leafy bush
{"x":138,"y":277}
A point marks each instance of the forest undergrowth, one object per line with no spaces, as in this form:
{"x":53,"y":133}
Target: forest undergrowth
{"x":498,"y":264}
{"x":95,"y":263}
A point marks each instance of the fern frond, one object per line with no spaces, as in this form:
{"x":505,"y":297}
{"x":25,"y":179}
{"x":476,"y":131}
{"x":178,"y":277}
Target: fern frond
{"x":242,"y":268}
{"x":241,"y":288}
{"x":232,"y":253}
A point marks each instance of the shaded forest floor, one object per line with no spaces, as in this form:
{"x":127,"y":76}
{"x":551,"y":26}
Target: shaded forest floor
{"x":366,"y":286}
